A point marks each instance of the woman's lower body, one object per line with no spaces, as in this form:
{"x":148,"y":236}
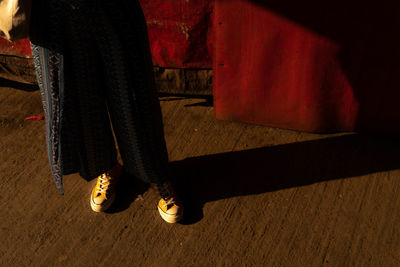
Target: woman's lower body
{"x":94,"y":65}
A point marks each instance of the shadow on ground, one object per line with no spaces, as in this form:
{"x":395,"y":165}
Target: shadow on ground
{"x":17,"y":85}
{"x":208,"y":99}
{"x":208,"y":178}
{"x":128,"y":189}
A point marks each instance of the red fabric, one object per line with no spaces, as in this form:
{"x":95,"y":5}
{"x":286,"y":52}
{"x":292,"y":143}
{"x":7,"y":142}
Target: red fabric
{"x":311,"y":66}
{"x":35,"y":118}
{"x":180,"y":32}
{"x":19,"y":48}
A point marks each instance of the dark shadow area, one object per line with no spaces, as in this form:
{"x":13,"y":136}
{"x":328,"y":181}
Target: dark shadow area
{"x":208,"y":178}
{"x":172,"y":99}
{"x":128,"y":189}
{"x":367,"y":33}
{"x":206,"y":103}
{"x":18,"y":85}
{"x":208,"y":99}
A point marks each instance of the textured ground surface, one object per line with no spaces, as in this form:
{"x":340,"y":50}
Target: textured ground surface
{"x":254,"y":196}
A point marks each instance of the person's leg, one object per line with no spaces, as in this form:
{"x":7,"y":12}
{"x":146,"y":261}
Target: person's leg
{"x":132,"y":98}
{"x":97,"y":152}
{"x":78,"y":131}
{"x":47,"y":51}
{"x":131,"y":94}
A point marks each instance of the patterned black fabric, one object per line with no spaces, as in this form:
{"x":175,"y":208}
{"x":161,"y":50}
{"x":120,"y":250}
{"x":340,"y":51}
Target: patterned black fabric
{"x":93,"y":62}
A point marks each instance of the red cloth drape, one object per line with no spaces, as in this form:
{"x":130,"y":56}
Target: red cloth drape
{"x":19,"y":48}
{"x":180,"y":32}
{"x":314,"y":66}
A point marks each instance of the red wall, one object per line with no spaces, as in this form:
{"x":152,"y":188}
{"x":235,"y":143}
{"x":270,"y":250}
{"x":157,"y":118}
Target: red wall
{"x":313,"y":66}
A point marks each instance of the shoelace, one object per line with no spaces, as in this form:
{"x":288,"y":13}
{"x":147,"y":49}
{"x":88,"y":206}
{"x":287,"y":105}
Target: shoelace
{"x":168,"y":194}
{"x":169,"y":202}
{"x":104,"y":183}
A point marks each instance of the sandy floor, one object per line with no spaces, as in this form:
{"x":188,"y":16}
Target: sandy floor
{"x":254,"y":196}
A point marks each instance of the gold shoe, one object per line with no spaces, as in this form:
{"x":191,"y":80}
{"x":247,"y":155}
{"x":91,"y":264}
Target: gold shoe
{"x":170,"y":207}
{"x":103,"y":194}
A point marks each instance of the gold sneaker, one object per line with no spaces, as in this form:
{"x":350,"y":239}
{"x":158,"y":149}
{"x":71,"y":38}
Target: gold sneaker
{"x":103,"y":194}
{"x":170,"y":207}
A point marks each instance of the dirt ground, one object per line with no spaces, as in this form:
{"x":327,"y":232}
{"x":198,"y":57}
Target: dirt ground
{"x":254,"y":196}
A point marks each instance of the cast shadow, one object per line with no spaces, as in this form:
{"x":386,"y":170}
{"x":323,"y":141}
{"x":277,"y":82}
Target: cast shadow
{"x":128,"y":189}
{"x":208,"y":100}
{"x":18,"y":85}
{"x":209,"y":178}
{"x":367,"y":34}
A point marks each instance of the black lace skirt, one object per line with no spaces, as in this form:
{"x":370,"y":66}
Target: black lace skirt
{"x":94,"y":66}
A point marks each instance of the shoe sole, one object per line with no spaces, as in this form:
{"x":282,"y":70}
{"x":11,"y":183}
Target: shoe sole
{"x":169,"y":218}
{"x":99,"y":208}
